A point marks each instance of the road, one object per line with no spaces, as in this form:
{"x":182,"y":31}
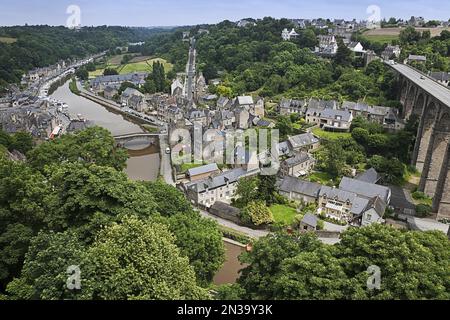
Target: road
{"x":190,"y":70}
{"x":166,"y":164}
{"x":426,"y":83}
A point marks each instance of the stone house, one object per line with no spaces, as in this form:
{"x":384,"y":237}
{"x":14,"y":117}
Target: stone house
{"x":128,"y":94}
{"x":299,"y":165}
{"x":299,"y":190}
{"x":330,"y":118}
{"x":110,"y":92}
{"x":202,"y":172}
{"x":289,"y":106}
{"x":304,"y":142}
{"x":308,"y":223}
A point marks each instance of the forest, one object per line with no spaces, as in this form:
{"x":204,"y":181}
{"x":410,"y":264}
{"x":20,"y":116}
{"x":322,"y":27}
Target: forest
{"x":40,"y":46}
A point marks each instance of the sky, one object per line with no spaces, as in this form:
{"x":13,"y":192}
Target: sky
{"x":191,"y":12}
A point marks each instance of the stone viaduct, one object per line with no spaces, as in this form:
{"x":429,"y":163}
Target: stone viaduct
{"x":430,"y":102}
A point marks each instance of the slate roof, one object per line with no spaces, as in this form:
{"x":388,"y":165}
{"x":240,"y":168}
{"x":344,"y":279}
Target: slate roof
{"x":303,"y":140}
{"x":203,"y":169}
{"x":298,"y":159}
{"x":223,"y":207}
{"x":244,"y":100}
{"x":342,"y":115}
{"x":369,"y":176}
{"x":136,"y":77}
{"x":221,"y":180}
{"x":440,"y":76}
{"x":417,"y":58}
{"x":283,"y":148}
{"x":310,"y":220}
{"x":365,"y":189}
{"x":339,"y":194}
{"x":295,"y":185}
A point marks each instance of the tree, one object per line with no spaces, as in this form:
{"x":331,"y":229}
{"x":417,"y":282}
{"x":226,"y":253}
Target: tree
{"x":137,"y":260}
{"x":360,"y":135}
{"x":21,"y":141}
{"x":82,"y":73}
{"x":92,"y":145}
{"x":414,"y":265}
{"x":169,"y":199}
{"x":110,"y":72}
{"x":344,"y":55}
{"x":257,"y":213}
{"x":267,"y":189}
{"x":44,"y":274}
{"x":246,"y":191}
{"x":201,"y":241}
{"x":265,"y":262}
{"x":409,"y":35}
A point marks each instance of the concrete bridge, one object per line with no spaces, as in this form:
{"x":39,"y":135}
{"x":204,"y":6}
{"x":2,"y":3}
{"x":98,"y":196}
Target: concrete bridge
{"x":124,"y":138}
{"x":430,"y":102}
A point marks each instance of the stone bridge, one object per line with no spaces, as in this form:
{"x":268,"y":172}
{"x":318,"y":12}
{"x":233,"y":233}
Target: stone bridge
{"x":430,"y":102}
{"x":124,"y":138}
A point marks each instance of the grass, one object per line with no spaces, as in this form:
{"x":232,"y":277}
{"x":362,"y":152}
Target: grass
{"x":73,"y":86}
{"x":137,"y":66}
{"x":320,"y":177}
{"x":283,"y":214}
{"x":7,"y":40}
{"x":186,"y":166}
{"x":328,"y":135}
{"x":381,"y":38}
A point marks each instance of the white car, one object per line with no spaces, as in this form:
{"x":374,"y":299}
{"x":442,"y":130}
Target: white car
{"x":167,"y":150}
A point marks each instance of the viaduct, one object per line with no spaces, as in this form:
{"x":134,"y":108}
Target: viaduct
{"x":430,"y":101}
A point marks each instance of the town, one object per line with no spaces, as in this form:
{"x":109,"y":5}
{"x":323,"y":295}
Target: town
{"x":356,"y":126}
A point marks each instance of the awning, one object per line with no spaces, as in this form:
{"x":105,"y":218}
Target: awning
{"x":334,"y":207}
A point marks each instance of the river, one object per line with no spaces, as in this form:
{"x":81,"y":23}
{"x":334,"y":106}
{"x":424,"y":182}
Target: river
{"x":144,"y":160}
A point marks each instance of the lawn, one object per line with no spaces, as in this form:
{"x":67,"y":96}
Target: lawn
{"x":139,"y":66}
{"x":7,"y":40}
{"x":320,"y":177}
{"x":382,"y":38}
{"x":283,"y":214}
{"x":328,"y":135}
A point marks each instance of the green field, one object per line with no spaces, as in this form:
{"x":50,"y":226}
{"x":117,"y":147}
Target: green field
{"x":382,"y":38}
{"x":139,"y":66}
{"x":7,"y":40}
{"x":320,"y":177}
{"x":328,"y":135}
{"x":283,"y":214}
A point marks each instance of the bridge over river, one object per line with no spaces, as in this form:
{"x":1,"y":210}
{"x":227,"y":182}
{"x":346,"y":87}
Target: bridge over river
{"x":429,"y":100}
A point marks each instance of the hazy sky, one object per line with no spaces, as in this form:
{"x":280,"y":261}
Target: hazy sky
{"x":189,"y":12}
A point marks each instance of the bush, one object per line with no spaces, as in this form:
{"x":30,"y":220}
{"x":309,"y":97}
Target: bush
{"x":257,"y":213}
{"x":418,"y":195}
{"x":423,"y":210}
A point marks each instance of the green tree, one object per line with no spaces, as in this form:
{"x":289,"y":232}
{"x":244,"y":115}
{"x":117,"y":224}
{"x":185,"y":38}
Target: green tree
{"x":246,"y":191}
{"x":110,"y":72}
{"x":257,"y":213}
{"x":137,"y":260}
{"x":93,"y":145}
{"x":21,"y":141}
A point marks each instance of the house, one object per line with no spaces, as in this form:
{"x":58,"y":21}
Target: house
{"x":391,"y":52}
{"x":101,"y":82}
{"x":137,"y":103}
{"x":202,"y":172}
{"x":244,"y":102}
{"x":258,"y":108}
{"x":223,"y":103}
{"x":374,"y":212}
{"x":290,"y":106}
{"x":416,"y":58}
{"x":299,"y":165}
{"x":308,"y":223}
{"x":245,"y":159}
{"x":304,"y":142}
{"x":288,"y":35}
{"x":327,"y":45}
{"x":245,"y":23}
{"x":198,"y":116}
{"x":366,"y":189}
{"x":128,"y":94}
{"x":299,"y":190}
{"x":356,"y":47}
{"x":441,"y":77}
{"x":242,"y":118}
{"x":110,"y":92}
{"x":416,"y":21}
{"x":330,"y":118}
{"x":369,"y":176}
{"x":215,"y":188}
